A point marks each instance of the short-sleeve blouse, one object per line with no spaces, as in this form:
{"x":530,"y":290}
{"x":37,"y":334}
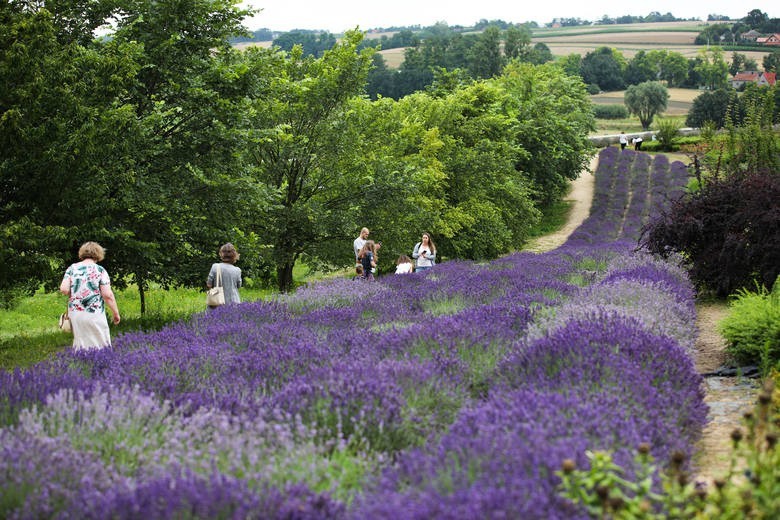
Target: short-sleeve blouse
{"x":85,"y":282}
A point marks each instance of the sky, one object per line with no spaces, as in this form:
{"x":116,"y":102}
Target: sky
{"x":336,"y":16}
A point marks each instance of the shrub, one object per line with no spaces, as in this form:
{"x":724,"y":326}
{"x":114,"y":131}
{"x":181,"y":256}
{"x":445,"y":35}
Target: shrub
{"x":729,"y":230}
{"x":667,"y":133}
{"x":593,"y":89}
{"x":752,"y":329}
{"x":610,"y":112}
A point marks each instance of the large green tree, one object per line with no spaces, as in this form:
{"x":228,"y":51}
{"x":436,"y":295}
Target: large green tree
{"x":302,"y":143}
{"x":603,"y":67}
{"x":712,"y":68}
{"x":554,"y":118}
{"x":646,"y":100}
{"x":127,"y":140}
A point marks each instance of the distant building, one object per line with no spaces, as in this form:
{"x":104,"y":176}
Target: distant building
{"x":772,"y":39}
{"x":762,"y":79}
{"x":750,"y":36}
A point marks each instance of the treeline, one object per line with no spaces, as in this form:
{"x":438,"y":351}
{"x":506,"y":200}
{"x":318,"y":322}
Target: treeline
{"x":652,"y":17}
{"x":474,"y":56}
{"x":163,"y":142}
{"x":606,"y":69}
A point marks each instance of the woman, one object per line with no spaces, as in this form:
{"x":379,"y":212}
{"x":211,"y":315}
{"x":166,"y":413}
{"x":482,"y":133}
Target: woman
{"x":424,"y":253}
{"x":88,"y":288}
{"x":230,"y":275}
{"x":367,"y":257}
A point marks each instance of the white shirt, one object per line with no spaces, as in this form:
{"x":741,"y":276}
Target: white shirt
{"x":403,"y":268}
{"x":357,"y":245}
{"x":424,"y":261}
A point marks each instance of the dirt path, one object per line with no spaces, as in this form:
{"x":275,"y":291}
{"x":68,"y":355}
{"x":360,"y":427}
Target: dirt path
{"x":727,"y":397}
{"x":581,"y":196}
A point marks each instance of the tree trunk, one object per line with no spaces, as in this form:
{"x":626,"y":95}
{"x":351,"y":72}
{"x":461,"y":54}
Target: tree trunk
{"x":284,"y":275}
{"x":139,"y":280}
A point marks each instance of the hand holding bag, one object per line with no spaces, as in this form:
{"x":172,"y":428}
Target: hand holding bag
{"x":64,"y":323}
{"x":216,"y":295}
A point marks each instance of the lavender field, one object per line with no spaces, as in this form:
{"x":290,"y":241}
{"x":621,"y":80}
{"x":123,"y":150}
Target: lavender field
{"x":454,"y":393}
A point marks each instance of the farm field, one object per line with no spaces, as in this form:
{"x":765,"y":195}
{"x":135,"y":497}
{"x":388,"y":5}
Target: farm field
{"x":628,"y":39}
{"x":457,"y":392}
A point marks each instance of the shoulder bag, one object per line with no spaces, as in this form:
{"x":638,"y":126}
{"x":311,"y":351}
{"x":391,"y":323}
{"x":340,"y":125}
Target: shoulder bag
{"x":64,"y":323}
{"x":216,"y":295}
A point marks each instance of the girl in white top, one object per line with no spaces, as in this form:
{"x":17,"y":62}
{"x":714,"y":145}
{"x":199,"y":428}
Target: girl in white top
{"x":403,"y":265}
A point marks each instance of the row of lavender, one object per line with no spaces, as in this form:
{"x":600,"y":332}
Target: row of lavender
{"x":450,"y":394}
{"x":630,"y":187}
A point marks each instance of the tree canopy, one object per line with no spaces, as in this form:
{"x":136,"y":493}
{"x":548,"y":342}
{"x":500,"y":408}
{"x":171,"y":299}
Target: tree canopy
{"x":646,"y":100}
{"x":162,"y":142}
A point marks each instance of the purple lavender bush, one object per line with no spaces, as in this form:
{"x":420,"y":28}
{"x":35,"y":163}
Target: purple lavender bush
{"x":454,"y":393}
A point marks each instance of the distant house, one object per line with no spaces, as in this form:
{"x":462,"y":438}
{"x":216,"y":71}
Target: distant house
{"x":772,"y":39}
{"x":762,"y":79}
{"x":751,"y":35}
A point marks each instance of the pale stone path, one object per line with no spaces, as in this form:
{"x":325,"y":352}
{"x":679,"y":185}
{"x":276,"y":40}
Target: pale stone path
{"x":727,"y":397}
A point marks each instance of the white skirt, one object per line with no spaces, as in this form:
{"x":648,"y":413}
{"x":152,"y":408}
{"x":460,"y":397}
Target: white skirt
{"x":90,"y":330}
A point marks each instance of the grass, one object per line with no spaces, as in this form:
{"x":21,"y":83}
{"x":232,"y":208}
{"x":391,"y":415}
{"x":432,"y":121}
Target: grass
{"x":29,"y":333}
{"x":554,"y":218}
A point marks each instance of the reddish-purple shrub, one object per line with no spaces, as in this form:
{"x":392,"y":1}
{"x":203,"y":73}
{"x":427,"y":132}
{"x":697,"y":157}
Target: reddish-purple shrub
{"x":730,"y":231}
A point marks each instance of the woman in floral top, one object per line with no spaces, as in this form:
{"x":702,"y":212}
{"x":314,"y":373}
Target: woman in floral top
{"x":89,"y":289}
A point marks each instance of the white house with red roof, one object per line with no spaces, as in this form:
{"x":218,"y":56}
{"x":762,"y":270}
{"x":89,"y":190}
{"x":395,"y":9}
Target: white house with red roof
{"x":762,"y":79}
{"x":772,"y":39}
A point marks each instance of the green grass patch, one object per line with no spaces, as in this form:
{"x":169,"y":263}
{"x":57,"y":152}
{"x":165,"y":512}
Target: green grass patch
{"x":29,"y":332}
{"x":554,"y":217}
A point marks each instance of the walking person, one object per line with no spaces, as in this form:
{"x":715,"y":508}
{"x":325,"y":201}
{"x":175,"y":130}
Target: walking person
{"x":424,"y":253}
{"x":88,"y":288}
{"x":368,"y":260}
{"x":623,"y":140}
{"x":229,"y":274}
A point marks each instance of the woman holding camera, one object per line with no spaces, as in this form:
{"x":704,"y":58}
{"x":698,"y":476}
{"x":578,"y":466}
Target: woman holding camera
{"x":424,"y":253}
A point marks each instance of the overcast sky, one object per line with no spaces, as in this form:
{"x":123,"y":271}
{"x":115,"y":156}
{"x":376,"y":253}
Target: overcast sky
{"x":337,"y":16}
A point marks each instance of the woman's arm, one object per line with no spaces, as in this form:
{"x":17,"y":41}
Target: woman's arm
{"x":416,"y":252}
{"x":108,"y":297}
{"x":65,"y":286}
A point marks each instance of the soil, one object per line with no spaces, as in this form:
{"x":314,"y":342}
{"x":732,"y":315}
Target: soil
{"x":727,"y":397}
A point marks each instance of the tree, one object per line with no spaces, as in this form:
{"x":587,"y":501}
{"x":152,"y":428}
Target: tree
{"x":710,"y":106}
{"x":755,"y":18}
{"x":646,"y":100}
{"x":670,"y":66}
{"x":713,"y":69}
{"x":302,"y":147}
{"x":485,"y":59}
{"x":740,"y":62}
{"x":516,"y":41}
{"x":640,"y":69}
{"x":771,"y":62}
{"x":603,"y":67}
{"x":571,"y":64}
{"x":147,"y":121}
{"x":554,"y":118}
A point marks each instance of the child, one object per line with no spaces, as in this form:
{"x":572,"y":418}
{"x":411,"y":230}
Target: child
{"x":367,"y":259}
{"x":358,"y":272}
{"x":403,"y":265}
